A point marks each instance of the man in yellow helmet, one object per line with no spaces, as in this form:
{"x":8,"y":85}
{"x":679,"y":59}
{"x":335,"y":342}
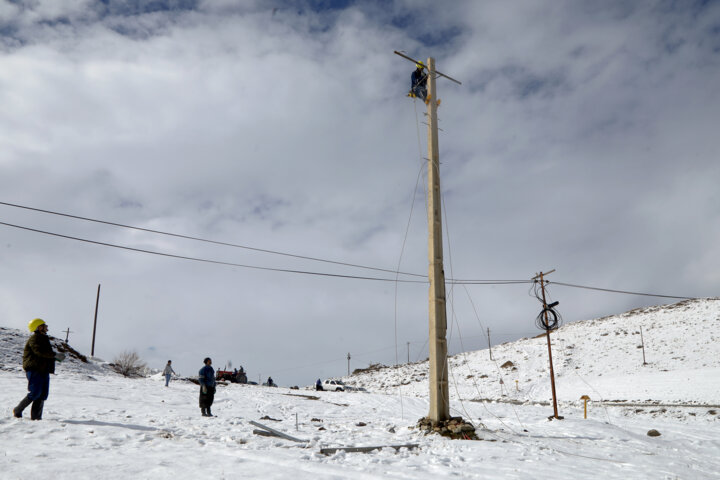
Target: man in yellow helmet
{"x":38,"y":363}
{"x":418,"y":82}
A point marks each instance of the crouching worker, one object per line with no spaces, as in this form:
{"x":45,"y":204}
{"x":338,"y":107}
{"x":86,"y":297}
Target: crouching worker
{"x":38,"y":363}
{"x":207,"y":387}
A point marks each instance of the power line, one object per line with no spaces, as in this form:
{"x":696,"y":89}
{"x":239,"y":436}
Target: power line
{"x":453,"y":281}
{"x":199,"y":239}
{"x":216,"y":262}
{"x":449,"y":281}
{"x":622,"y":291}
{"x":204,"y":260}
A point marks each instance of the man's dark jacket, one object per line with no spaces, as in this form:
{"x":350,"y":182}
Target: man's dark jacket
{"x":418,"y":79}
{"x":39,"y":356}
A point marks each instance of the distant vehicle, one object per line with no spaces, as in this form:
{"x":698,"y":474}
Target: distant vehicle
{"x":350,"y":388}
{"x":232,"y":377}
{"x":334,"y":385}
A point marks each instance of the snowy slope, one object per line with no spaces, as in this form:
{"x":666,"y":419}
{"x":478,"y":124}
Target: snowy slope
{"x":98,"y":424}
{"x":601,"y":358}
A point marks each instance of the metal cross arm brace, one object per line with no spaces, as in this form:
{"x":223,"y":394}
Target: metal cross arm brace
{"x":418,"y":61}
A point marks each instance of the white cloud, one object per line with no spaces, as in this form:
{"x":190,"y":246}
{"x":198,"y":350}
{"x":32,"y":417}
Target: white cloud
{"x":579,"y":142}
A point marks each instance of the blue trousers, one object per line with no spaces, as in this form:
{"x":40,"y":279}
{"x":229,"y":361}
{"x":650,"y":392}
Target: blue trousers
{"x":38,"y":385}
{"x":167,"y":379}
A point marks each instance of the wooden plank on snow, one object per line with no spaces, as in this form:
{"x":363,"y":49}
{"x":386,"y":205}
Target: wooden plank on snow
{"x":330,"y":451}
{"x":277,"y":433}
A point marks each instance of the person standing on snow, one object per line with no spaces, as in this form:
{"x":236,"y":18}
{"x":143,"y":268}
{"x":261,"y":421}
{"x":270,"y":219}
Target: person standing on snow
{"x":38,"y":363}
{"x":318,"y":386}
{"x":206,"y":376}
{"x":418,"y":82}
{"x":168,"y":372}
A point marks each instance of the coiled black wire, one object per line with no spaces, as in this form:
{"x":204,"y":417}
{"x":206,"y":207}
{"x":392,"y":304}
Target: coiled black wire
{"x":548,"y":319}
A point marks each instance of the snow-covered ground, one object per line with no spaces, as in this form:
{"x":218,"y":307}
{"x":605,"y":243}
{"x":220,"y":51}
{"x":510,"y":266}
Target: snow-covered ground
{"x":100,"y":425}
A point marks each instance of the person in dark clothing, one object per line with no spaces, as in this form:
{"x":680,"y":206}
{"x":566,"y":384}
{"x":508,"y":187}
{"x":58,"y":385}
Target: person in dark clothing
{"x":38,"y":363}
{"x":418,"y":82}
{"x":318,"y":386}
{"x":206,"y":377}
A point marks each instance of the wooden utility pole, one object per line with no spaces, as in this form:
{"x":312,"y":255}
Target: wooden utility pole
{"x":67,"y":334}
{"x":547,"y":334}
{"x":97,"y":303}
{"x":348,"y":364}
{"x":408,"y":349}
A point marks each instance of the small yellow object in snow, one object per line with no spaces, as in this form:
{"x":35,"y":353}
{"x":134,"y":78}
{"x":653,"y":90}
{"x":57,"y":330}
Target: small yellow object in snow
{"x":586,"y":398}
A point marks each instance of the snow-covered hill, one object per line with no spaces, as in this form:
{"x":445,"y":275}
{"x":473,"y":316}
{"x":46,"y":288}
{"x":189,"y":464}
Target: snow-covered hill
{"x":601,"y":358}
{"x":12,"y":344}
{"x":98,"y":424}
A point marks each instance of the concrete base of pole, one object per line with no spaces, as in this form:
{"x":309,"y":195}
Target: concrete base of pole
{"x":455,"y":428}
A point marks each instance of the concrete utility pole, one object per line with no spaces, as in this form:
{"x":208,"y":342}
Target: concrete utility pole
{"x":348,"y":364}
{"x":489,"y":346}
{"x":97,"y":303}
{"x":642,"y":342}
{"x":408,"y":349}
{"x":439,"y":394}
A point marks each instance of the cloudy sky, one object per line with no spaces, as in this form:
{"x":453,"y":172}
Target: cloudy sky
{"x":584,"y":138}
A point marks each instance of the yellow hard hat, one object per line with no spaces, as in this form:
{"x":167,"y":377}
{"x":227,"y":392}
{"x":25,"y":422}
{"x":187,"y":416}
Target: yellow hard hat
{"x":420,"y":65}
{"x":34,"y":324}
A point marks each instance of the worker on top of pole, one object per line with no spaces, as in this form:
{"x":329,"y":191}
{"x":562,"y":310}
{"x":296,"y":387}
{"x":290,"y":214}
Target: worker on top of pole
{"x":418,"y":83}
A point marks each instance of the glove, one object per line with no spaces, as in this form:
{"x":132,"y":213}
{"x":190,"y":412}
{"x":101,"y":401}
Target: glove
{"x":59,"y":356}
{"x":204,"y":390}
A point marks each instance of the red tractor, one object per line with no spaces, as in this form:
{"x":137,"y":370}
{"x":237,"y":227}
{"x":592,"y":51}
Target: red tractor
{"x":237,"y":376}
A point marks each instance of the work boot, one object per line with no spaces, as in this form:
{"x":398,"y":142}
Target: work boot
{"x":36,"y":410}
{"x":17,"y":411}
{"x":209,"y":414}
{"x":204,"y":412}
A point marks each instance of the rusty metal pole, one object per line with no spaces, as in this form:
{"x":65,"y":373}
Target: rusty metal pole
{"x":97,"y":303}
{"x":547,"y":334}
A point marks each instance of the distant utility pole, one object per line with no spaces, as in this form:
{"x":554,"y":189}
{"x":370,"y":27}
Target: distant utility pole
{"x":642,"y":342}
{"x":97,"y":303}
{"x":408,"y":349}
{"x":439,"y":394}
{"x":489,"y":346}
{"x":546,"y":321}
{"x":67,"y":334}
{"x":348,"y":364}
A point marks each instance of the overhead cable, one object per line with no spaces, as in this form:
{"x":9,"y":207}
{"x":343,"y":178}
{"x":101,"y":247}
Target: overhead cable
{"x":199,"y":239}
{"x":621,"y":291}
{"x":217,"y":262}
